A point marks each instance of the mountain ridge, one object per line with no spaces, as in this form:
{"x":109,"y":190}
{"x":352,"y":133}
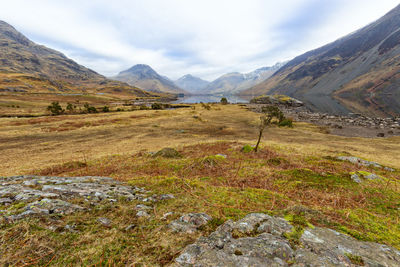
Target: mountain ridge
{"x":29,"y":67}
{"x":356,"y":73}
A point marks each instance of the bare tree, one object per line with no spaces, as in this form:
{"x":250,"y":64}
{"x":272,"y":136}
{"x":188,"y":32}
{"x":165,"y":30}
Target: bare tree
{"x":268,"y":114}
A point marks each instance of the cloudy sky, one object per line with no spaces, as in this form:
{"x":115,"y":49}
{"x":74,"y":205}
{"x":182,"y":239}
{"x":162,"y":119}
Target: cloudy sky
{"x":206,"y":38}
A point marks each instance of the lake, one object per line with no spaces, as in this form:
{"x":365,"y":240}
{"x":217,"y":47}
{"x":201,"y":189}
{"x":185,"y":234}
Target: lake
{"x":208,"y":99}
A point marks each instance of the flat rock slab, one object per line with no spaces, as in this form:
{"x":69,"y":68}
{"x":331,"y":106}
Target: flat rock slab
{"x":258,"y":240}
{"x":363,"y":162}
{"x":29,"y":195}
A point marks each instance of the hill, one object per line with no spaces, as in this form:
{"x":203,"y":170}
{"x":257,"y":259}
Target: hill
{"x":28,"y":67}
{"x":144,"y":77}
{"x":358,"y":73}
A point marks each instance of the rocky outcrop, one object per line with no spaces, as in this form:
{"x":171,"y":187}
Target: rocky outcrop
{"x":258,"y":240}
{"x":277,"y":100}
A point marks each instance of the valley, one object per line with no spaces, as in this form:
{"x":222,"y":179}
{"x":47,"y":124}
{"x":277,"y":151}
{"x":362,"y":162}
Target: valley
{"x":244,"y":162}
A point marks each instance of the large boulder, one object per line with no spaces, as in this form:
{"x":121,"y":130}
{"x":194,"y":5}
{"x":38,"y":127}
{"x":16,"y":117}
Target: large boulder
{"x":259,"y":240}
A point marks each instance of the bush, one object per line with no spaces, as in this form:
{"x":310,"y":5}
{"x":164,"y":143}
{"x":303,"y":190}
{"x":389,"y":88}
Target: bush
{"x":247,"y":149}
{"x":106,"y":109}
{"x":224,"y":101}
{"x":89,"y":108}
{"x":156,"y":106}
{"x":205,"y":106}
{"x":55,"y":108}
{"x":286,"y":123}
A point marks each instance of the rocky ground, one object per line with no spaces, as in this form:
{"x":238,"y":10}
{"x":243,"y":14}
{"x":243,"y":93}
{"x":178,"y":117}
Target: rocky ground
{"x":256,"y":240}
{"x":28,"y":195}
{"x":353,"y":125}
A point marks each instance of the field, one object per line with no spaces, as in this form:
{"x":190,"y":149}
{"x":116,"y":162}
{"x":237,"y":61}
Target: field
{"x":295,"y":173}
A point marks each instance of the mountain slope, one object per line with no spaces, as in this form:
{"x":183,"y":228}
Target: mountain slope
{"x":235,"y":82}
{"x":27,"y":66}
{"x":144,"y":77}
{"x":191,"y":83}
{"x":359,"y":72}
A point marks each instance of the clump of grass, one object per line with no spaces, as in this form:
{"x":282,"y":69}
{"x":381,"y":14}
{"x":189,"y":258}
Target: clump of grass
{"x":247,"y":148}
{"x":62,"y":168}
{"x":212,"y":161}
{"x":355,"y":259}
{"x":299,"y":223}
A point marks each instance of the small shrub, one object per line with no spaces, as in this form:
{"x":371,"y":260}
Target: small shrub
{"x":144,"y":107}
{"x":205,"y":106}
{"x":105,"y":109}
{"x":286,"y":123}
{"x":55,"y":108}
{"x":89,"y":108}
{"x":247,"y":148}
{"x":156,"y":106}
{"x":71,"y":108}
{"x":224,"y":101}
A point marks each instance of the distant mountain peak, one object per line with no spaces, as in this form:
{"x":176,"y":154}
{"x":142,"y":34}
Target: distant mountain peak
{"x":191,"y":83}
{"x":146,"y":78}
{"x":235,"y":82}
{"x":139,"y":68}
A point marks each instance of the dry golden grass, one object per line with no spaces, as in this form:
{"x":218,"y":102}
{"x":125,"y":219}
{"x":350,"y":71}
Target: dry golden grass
{"x":28,"y":144}
{"x":294,"y":172}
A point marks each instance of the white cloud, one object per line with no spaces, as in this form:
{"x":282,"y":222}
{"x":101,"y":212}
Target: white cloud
{"x":206,"y":38}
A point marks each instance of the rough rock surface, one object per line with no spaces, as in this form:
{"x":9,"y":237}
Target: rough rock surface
{"x":189,"y":223}
{"x":359,"y":176}
{"x":362,"y":162}
{"x":28,"y":195}
{"x":258,"y":240}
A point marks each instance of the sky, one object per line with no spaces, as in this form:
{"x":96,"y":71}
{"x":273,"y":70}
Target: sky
{"x":206,"y":38}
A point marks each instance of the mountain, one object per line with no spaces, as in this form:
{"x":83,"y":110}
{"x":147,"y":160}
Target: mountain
{"x":357,"y":73}
{"x":28,"y":67}
{"x":144,"y":77}
{"x":191,"y":83}
{"x":235,"y":82}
